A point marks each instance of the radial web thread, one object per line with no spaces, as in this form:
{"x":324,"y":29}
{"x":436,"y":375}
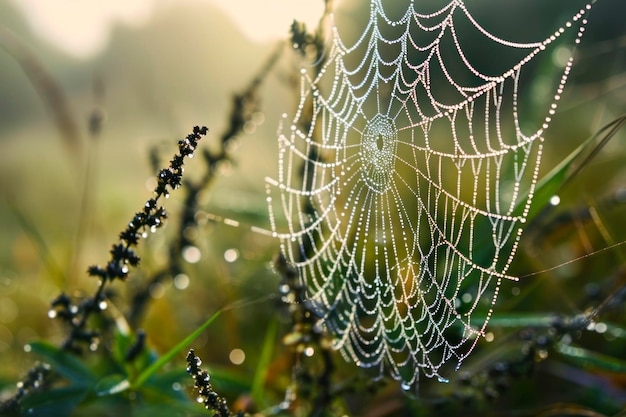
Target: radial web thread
{"x":405,"y":178}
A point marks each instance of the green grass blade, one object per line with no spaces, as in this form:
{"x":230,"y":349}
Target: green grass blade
{"x":148,"y":372}
{"x":31,"y":230}
{"x":111,"y":385}
{"x":515,"y":320}
{"x":570,"y":167}
{"x":56,"y":402}
{"x":258,"y":382}
{"x":587,"y":357}
{"x":65,"y":363}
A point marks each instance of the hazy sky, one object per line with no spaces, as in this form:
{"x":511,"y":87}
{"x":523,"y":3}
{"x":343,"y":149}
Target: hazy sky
{"x":82,"y":27}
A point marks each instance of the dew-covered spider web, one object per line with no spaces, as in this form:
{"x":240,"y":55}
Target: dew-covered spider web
{"x":406,"y":175}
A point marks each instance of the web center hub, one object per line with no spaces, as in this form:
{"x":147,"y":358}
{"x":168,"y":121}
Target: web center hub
{"x":378,"y":152}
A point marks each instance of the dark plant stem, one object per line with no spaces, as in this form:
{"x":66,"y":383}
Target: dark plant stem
{"x":307,"y":339}
{"x":206,"y":394}
{"x":48,"y":90}
{"x":122,"y":257}
{"x":244,"y":105}
{"x":89,"y":186}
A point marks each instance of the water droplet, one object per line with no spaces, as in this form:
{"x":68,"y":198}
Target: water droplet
{"x":231,"y":255}
{"x":181,"y":281}
{"x":555,"y":200}
{"x":405,"y":386}
{"x":191,"y":254}
{"x":237,"y":356}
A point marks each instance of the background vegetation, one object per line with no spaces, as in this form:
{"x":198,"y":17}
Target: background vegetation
{"x":82,"y":140}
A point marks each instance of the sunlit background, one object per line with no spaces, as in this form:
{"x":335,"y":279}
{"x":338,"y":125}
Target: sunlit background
{"x":83,"y":29}
{"x":152,"y":69}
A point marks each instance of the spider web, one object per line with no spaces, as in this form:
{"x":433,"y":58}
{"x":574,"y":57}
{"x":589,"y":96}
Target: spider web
{"x":404,"y":180}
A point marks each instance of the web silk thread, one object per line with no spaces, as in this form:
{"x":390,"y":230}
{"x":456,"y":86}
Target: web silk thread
{"x":405,"y":194}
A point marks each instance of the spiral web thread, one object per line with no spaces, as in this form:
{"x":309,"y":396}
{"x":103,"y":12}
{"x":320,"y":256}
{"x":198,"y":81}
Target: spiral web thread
{"x":404,"y":180}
